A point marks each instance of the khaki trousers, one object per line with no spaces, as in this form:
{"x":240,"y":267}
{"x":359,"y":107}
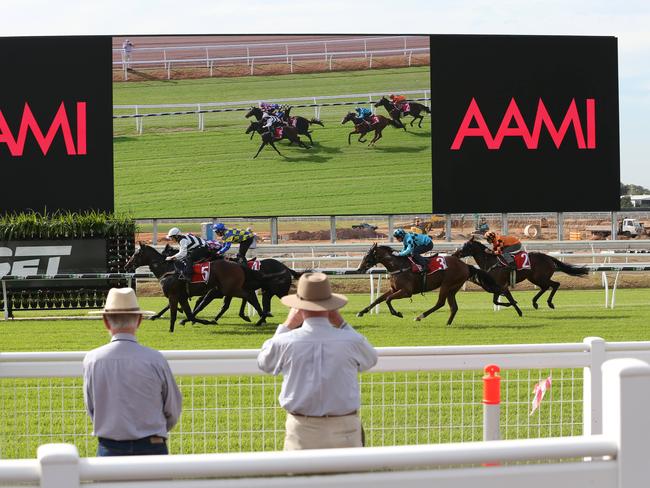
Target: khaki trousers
{"x":322,"y":432}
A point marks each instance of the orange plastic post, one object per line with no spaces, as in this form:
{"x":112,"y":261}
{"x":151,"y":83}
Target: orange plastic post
{"x":492,"y":385}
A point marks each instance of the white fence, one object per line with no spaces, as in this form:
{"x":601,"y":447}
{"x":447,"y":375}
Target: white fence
{"x":619,"y":458}
{"x":415,"y":395}
{"x":140,"y":111}
{"x":214,"y":56}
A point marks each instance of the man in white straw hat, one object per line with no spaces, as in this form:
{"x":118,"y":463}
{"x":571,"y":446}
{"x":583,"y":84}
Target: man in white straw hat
{"x":320,"y":356}
{"x":129,"y":390}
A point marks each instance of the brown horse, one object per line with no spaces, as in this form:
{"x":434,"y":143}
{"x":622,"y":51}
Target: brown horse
{"x":542,"y":267}
{"x":415,"y":110}
{"x":268,"y":138}
{"x":232,"y":280}
{"x":404,"y":282}
{"x":362,"y":128}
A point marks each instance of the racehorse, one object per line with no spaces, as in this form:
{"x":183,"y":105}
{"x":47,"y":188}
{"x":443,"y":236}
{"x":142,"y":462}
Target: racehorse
{"x":269,"y":138}
{"x":542,"y":267}
{"x":232,"y":280}
{"x":300,"y":123}
{"x":415,"y":109}
{"x":277,"y":278}
{"x":404,"y":282}
{"x":360,"y":127}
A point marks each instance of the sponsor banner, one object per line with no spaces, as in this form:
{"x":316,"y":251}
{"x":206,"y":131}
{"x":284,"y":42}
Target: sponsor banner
{"x":56,"y":133}
{"x":524,"y":124}
{"x":26,"y":258}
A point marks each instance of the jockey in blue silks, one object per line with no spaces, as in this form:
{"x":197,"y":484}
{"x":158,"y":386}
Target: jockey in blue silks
{"x":414,"y":245}
{"x":364,"y":114}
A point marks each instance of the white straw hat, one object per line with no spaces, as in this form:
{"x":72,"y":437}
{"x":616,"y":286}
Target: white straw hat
{"x":122,"y":301}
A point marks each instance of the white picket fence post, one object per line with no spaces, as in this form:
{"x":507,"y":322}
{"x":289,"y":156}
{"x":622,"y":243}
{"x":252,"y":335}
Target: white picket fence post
{"x":59,"y":465}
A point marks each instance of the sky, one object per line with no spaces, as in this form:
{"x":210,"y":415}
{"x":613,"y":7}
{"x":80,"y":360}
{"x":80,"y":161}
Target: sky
{"x":629,"y":21}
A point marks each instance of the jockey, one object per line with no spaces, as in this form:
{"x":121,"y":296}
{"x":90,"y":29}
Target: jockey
{"x":505,"y":246}
{"x":192,"y":249}
{"x":244,"y":238}
{"x":398,"y":100}
{"x":269,"y":107}
{"x":269,"y":122}
{"x":414,"y":245}
{"x":364,"y":114}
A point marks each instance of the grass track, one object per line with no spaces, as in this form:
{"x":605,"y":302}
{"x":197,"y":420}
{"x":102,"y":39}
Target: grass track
{"x":173,"y":170}
{"x":229,"y":414}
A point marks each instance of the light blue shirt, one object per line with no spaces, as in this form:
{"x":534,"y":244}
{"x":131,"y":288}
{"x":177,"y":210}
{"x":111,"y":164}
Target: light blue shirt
{"x":320,"y":364}
{"x":129,"y":390}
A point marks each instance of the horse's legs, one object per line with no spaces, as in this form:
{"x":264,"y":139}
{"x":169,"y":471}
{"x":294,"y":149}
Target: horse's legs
{"x":453,"y":306}
{"x":202,"y":303}
{"x":542,"y":290}
{"x":396,"y":296}
{"x":173,"y":303}
{"x":349,"y":136}
{"x":261,"y":146}
{"x":188,"y":311}
{"x":251,"y":297}
{"x":311,"y":141}
{"x":420,"y":122}
{"x":361,"y":134}
{"x":224,"y":307}
{"x":276,"y":149}
{"x":412,"y":120}
{"x":159,"y":314}
{"x":442,"y":297}
{"x":376,"y":138}
{"x":554,"y":285}
{"x":511,"y":301}
{"x":266,"y":302}
{"x":379,"y":300}
{"x":241,"y":311}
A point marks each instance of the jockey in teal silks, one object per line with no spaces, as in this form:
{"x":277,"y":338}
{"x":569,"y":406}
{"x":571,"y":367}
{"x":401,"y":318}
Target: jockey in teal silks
{"x":414,"y":245}
{"x":364,"y":114}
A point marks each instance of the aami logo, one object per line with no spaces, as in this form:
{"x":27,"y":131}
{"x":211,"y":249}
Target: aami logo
{"x":73,"y":145}
{"x":474,"y":117}
{"x":28,"y":267}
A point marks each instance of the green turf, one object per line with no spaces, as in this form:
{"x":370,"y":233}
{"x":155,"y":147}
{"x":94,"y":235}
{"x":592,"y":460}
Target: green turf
{"x":173,"y":170}
{"x":579,"y":314}
{"x":240,"y":413}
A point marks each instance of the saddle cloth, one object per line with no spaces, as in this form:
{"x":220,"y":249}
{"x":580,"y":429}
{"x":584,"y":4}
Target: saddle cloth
{"x":373,"y":119}
{"x":405,"y":107}
{"x":522,"y":260}
{"x":293,"y":121}
{"x":254,"y":264}
{"x":201,"y":272}
{"x":278,"y":132}
{"x":435,"y":263}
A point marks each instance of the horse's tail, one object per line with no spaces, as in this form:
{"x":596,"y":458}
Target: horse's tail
{"x":569,"y":269}
{"x":483,"y":279}
{"x":317,"y":122}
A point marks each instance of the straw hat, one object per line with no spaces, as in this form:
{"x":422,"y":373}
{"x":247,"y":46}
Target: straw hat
{"x":314,"y":293}
{"x":122,"y":300}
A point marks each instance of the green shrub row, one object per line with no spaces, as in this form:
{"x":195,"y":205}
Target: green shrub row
{"x":65,"y":225}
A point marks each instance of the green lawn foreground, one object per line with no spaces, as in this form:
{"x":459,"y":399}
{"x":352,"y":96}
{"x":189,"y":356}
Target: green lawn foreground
{"x":175,"y":170}
{"x":240,"y":413}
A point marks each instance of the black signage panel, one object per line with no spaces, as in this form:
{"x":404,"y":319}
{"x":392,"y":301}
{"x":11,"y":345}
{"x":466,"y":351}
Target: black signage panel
{"x":28,"y":258}
{"x":524,"y":124}
{"x":56,"y":140}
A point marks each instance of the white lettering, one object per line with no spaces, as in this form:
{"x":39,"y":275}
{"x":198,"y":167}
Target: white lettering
{"x":25,"y":268}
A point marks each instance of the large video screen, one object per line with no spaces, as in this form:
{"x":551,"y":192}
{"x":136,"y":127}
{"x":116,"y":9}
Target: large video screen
{"x":187,"y":141}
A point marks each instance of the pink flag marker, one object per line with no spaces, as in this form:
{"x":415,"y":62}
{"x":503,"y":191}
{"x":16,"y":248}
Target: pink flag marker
{"x":539,"y":391}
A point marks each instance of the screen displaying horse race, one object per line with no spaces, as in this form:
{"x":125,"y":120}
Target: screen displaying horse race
{"x":305,"y":125}
{"x":272,"y":125}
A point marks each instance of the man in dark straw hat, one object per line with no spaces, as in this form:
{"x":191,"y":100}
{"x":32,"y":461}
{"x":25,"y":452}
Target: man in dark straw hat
{"x":129,"y":391}
{"x":319,"y":355}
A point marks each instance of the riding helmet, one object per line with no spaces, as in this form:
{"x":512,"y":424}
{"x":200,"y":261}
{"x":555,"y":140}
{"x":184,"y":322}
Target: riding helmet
{"x":490,"y":236}
{"x":174,"y":231}
{"x":219,"y":227}
{"x":399,"y":233}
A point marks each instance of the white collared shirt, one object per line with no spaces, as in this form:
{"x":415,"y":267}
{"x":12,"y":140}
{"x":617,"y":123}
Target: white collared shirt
{"x":320,"y":364}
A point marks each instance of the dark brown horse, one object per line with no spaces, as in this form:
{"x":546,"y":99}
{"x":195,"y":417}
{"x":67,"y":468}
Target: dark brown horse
{"x":542,"y":267}
{"x":300,"y":123}
{"x":269,"y":138}
{"x":232,"y":280}
{"x":362,"y":128}
{"x":415,"y":110}
{"x":404,"y":282}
